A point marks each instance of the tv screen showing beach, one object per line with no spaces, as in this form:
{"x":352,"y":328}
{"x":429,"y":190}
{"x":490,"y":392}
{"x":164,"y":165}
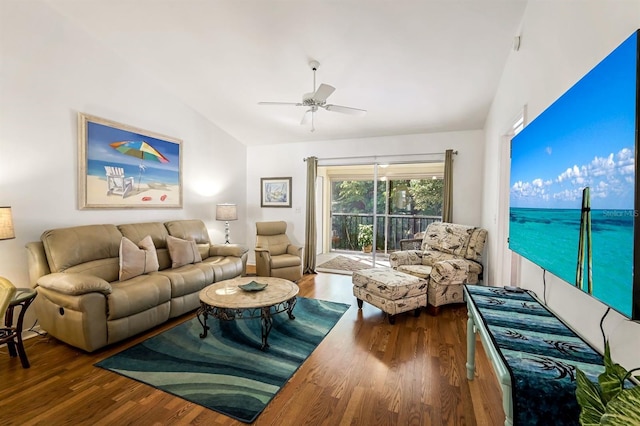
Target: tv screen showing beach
{"x":587,"y":138}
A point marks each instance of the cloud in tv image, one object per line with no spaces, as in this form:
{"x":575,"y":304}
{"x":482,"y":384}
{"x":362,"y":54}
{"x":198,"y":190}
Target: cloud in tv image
{"x":586,"y":138}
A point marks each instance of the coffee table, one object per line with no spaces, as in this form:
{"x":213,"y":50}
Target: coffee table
{"x":226,"y":301}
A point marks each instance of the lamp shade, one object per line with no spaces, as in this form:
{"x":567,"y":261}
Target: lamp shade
{"x":6,"y":224}
{"x":226,"y":212}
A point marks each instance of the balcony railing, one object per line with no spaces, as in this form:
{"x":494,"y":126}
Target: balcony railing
{"x":344,"y":229}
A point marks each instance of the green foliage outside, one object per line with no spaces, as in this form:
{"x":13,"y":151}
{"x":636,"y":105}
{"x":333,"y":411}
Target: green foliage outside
{"x":412,"y":205}
{"x":407,"y":197}
{"x":365,"y":235}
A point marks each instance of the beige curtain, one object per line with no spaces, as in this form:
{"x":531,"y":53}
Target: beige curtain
{"x":447,"y":196}
{"x":310,"y":236}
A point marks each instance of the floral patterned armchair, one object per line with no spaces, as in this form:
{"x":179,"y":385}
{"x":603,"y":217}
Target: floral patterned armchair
{"x":450,"y":256}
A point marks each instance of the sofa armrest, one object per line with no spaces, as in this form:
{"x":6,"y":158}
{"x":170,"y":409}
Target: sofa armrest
{"x":294,"y":250}
{"x":407,"y":257}
{"x":234,"y":250}
{"x":263,"y":262}
{"x":37,"y":261}
{"x":74,"y":284}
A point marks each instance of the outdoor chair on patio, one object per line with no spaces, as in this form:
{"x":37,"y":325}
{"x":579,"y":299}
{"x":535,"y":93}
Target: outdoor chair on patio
{"x":412,"y":243}
{"x":117,"y":183}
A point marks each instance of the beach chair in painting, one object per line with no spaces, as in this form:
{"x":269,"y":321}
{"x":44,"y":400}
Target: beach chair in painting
{"x":117,"y":182}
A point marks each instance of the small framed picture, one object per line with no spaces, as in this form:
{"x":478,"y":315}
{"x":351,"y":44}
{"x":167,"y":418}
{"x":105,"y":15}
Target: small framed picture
{"x":275,"y":192}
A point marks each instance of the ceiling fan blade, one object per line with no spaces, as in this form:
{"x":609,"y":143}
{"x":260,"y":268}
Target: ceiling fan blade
{"x":345,"y":110}
{"x":323,"y":92}
{"x":306,"y":117}
{"x":280,"y":103}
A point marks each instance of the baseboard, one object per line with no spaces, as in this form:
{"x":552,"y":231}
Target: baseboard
{"x":32,"y":332}
{"x":29,"y":333}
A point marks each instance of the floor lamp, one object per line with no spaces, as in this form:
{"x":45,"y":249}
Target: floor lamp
{"x":226,"y":212}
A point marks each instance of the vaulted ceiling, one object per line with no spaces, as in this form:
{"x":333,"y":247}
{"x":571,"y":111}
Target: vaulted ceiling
{"x":415,"y":66}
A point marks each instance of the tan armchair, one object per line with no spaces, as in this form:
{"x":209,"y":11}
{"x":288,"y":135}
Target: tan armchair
{"x":275,"y":255}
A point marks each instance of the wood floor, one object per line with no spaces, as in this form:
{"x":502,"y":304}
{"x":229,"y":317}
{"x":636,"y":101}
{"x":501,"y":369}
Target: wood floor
{"x":365,"y":372}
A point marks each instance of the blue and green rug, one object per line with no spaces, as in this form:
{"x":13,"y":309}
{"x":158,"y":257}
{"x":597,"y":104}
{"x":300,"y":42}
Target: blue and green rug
{"x":226,"y":371}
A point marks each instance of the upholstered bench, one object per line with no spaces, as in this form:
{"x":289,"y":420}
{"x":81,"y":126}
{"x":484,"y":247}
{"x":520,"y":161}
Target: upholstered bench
{"x":392,"y":291}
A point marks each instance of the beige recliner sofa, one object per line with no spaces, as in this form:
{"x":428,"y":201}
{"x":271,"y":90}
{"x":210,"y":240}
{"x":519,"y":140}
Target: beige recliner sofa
{"x":82,"y":299}
{"x":449,"y":257}
{"x":275,"y":255}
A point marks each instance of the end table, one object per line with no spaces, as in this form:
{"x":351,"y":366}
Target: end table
{"x":10,"y":335}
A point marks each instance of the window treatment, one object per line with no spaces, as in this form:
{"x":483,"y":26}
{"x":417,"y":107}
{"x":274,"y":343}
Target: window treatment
{"x":310,"y":237}
{"x":447,"y":195}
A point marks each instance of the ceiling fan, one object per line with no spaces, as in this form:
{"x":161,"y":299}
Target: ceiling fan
{"x":318,"y":99}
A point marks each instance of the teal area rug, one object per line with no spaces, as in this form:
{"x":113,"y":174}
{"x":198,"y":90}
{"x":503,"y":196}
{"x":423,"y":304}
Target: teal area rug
{"x":226,"y":371}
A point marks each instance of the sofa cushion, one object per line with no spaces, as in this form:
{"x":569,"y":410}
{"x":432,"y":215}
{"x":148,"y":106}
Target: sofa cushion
{"x":225,"y":268}
{"x":420,"y":271}
{"x":158,"y":233}
{"x":188,"y":279}
{"x":191,"y":230}
{"x":69,"y":247}
{"x":137,"y":259}
{"x":137,"y":295}
{"x":182,"y":252}
{"x":447,"y":238}
{"x":188,"y":230}
{"x":107,"y":269}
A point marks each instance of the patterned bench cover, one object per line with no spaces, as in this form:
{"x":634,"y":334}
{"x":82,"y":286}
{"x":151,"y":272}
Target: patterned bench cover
{"x":539,"y":351}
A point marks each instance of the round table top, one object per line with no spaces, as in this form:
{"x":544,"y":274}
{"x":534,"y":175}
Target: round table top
{"x":227,"y":294}
{"x":22,"y":295}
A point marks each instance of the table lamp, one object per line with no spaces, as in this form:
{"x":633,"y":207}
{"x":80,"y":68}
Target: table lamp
{"x":226,"y":212}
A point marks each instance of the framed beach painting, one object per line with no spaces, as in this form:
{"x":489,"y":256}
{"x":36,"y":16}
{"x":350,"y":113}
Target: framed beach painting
{"x":122,"y":167}
{"x":275,"y":192}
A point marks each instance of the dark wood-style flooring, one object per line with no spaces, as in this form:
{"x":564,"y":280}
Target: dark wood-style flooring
{"x":365,"y":372}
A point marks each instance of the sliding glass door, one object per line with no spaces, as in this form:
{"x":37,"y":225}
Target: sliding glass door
{"x":381,"y":203}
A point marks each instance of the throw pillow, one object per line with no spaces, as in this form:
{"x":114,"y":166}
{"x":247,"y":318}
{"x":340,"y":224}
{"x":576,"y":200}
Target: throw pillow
{"x":182,"y":252}
{"x":137,"y":259}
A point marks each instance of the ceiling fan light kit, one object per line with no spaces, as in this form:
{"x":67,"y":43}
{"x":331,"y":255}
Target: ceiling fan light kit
{"x":318,"y":99}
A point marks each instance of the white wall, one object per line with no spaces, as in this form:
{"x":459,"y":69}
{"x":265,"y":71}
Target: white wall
{"x":287,"y":160}
{"x":561,"y":41}
{"x":50,"y":70}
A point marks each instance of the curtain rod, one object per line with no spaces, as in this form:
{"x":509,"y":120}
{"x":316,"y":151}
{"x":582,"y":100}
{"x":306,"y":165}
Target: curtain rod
{"x":376,"y":156}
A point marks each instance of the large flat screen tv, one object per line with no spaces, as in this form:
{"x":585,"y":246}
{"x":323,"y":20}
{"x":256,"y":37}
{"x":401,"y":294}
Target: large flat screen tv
{"x":588,"y":138}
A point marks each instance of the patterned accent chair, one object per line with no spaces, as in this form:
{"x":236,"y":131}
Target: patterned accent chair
{"x":449,"y":257}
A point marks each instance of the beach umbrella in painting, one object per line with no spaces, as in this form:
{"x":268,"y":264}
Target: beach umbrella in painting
{"x":141,"y":150}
